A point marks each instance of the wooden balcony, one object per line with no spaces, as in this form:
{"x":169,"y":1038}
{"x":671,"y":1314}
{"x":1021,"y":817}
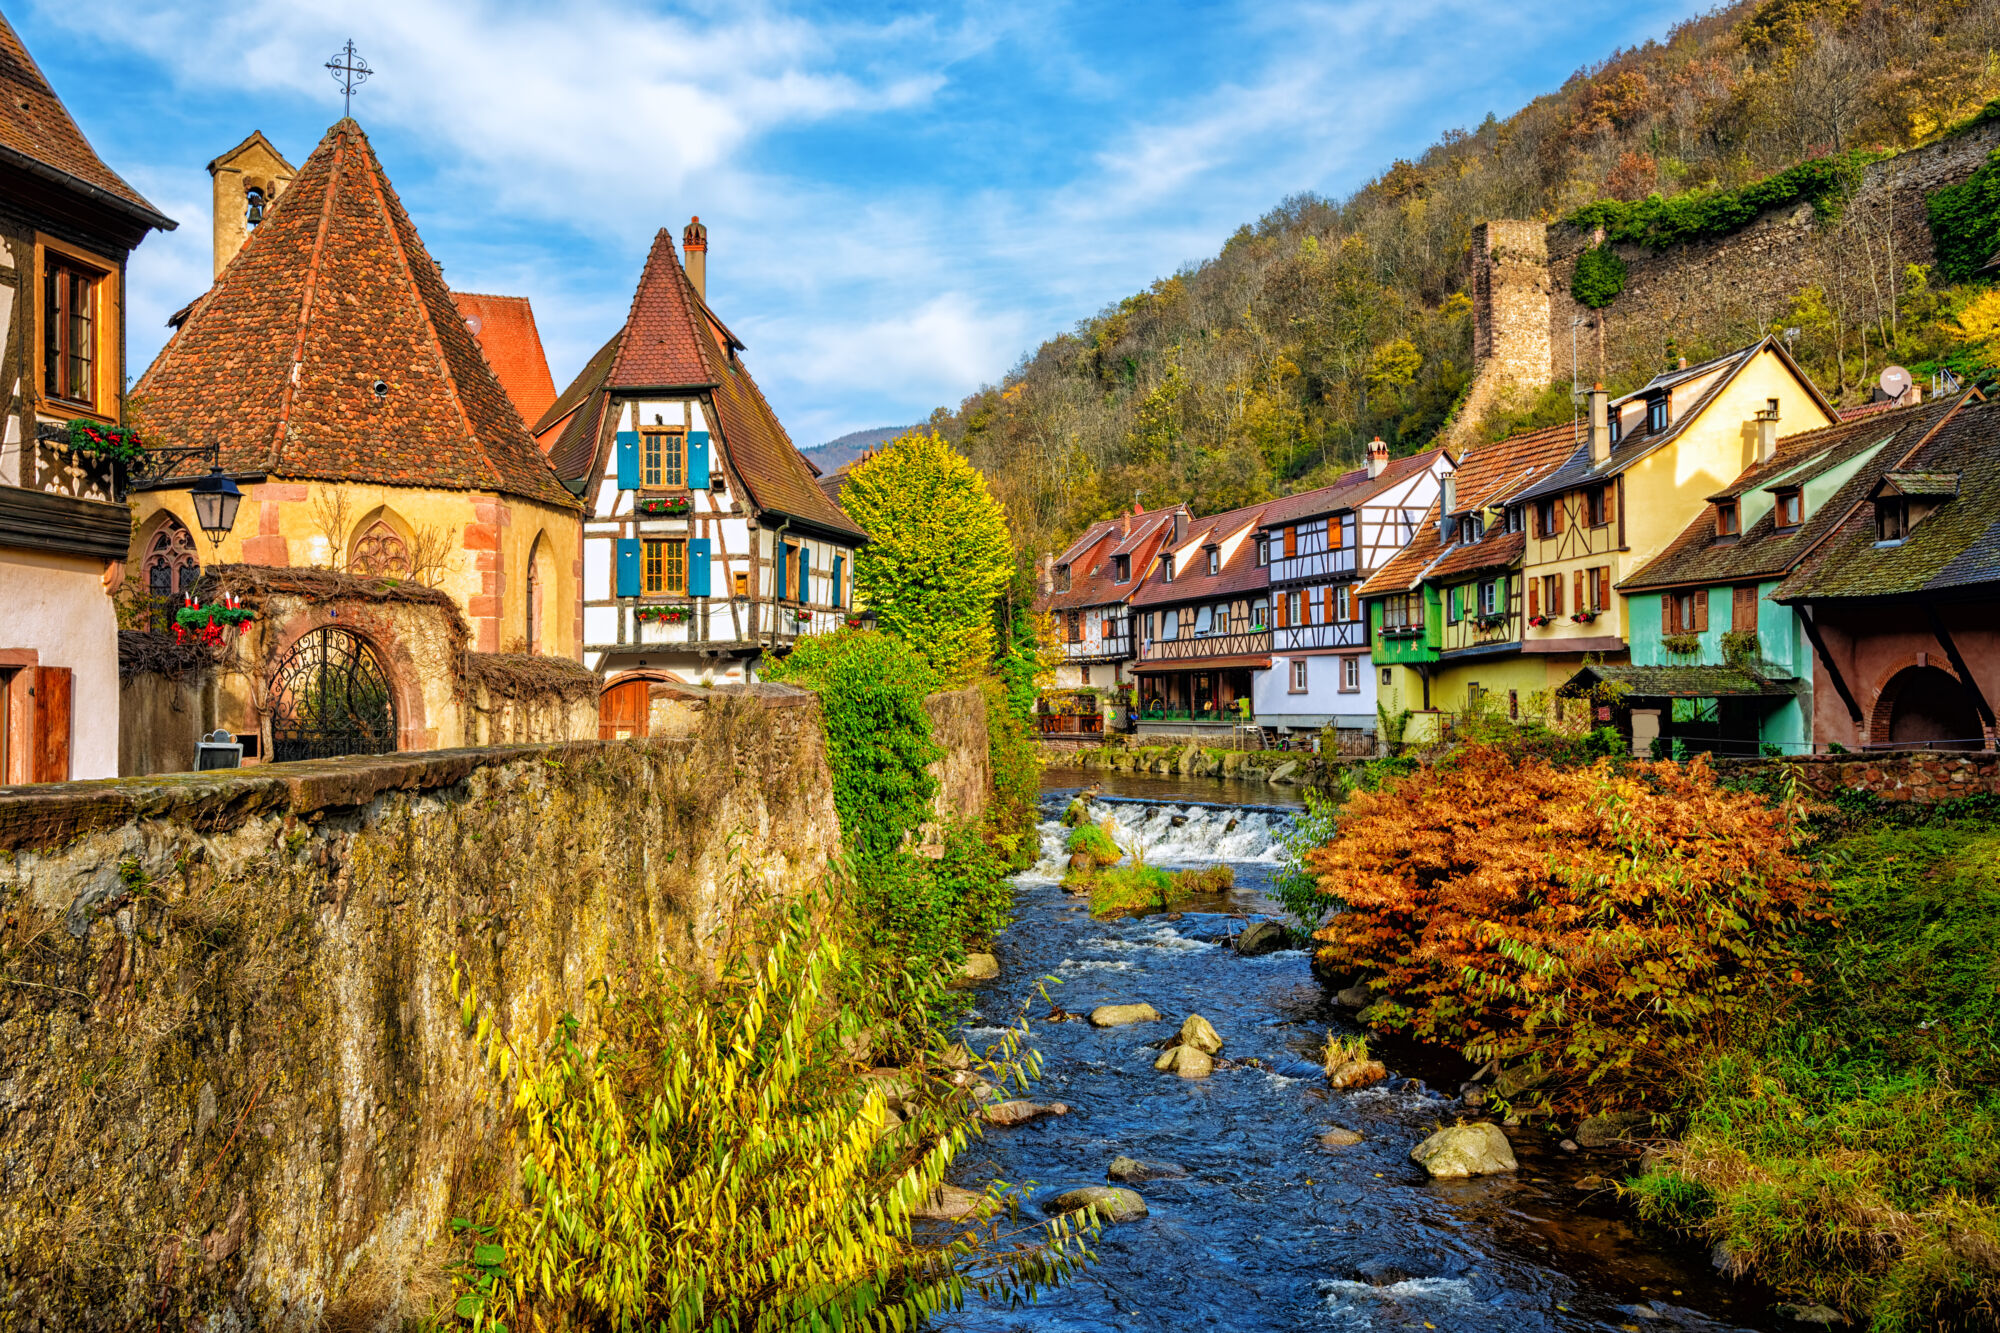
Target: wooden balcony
{"x":1195,"y":648}
{"x":1054,"y":724}
{"x":1327,"y":634}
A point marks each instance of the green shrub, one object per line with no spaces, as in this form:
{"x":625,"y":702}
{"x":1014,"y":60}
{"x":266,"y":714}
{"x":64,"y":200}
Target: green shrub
{"x":1598,"y":278}
{"x":1965,"y":222}
{"x":1095,"y":843}
{"x":1824,"y":182}
{"x":1135,"y":888}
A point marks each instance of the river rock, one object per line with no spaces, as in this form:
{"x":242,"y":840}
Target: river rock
{"x":1077,"y":814}
{"x":891,"y":1122}
{"x":1354,"y":997}
{"x":1458,"y":1151}
{"x":1132,"y":1171}
{"x":1020,"y":1111}
{"x":1727,"y":1261}
{"x":1112,"y":1204}
{"x":1119,"y":1015}
{"x":1512,"y":1083}
{"x":948,"y":1203}
{"x":1350,"y":1074}
{"x":956,"y":1056}
{"x":1262,"y":938}
{"x":1187,"y":1061}
{"x":1821,"y":1316}
{"x":1601,"y":1131}
{"x":1339,"y":1138}
{"x":1281,"y":776}
{"x":1199,"y":1033}
{"x":979,"y":967}
{"x":1079,"y":861}
{"x":895,"y":1086}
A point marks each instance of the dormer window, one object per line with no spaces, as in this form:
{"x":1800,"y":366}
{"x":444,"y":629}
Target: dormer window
{"x":1659,"y":412}
{"x":1892,"y":518}
{"x":1726,"y":519}
{"x":1263,"y":551}
{"x":1788,"y":508}
{"x":1062,"y":578}
{"x":1167,"y":567}
{"x":1617,"y":425}
{"x":1121,"y":569}
{"x":1475,"y":528}
{"x":1214,"y":560}
{"x":1516,"y":519}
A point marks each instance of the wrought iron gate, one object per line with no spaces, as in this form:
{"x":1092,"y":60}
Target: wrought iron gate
{"x":330,"y":696}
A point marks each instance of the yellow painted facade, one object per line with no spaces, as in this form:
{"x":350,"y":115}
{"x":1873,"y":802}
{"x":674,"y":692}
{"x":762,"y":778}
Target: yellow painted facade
{"x":1652,"y":501}
{"x":479,"y":548}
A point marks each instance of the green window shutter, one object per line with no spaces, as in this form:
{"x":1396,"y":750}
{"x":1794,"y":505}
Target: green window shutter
{"x":628,"y":461}
{"x":805,"y":573}
{"x":779,"y":569}
{"x":698,"y":460}
{"x":698,"y":567}
{"x":628,"y":566}
{"x":839,"y":568}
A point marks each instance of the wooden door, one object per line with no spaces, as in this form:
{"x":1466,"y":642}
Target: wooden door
{"x":52,"y":724}
{"x":621,"y":710}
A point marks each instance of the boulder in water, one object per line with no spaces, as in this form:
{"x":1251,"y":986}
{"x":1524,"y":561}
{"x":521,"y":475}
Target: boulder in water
{"x":1262,"y":938}
{"x":896,"y":1087}
{"x":1020,"y":1111}
{"x":948,"y":1203}
{"x":1281,"y":776}
{"x":1820,"y":1316}
{"x":1339,"y":1138}
{"x":1199,"y":1033}
{"x":1458,"y":1151}
{"x":979,"y":967}
{"x":1112,"y":1204}
{"x":1078,"y":813}
{"x":1354,"y":997}
{"x":1601,"y":1131}
{"x":1351,"y":1074}
{"x":1119,"y":1015}
{"x":1133,"y":1171}
{"x":1186,"y":1061}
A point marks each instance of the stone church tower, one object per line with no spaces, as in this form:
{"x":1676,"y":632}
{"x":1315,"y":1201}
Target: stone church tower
{"x":248,"y":180}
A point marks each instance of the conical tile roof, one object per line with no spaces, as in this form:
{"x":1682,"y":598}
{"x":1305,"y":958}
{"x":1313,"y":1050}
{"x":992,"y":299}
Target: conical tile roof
{"x":333,"y":295}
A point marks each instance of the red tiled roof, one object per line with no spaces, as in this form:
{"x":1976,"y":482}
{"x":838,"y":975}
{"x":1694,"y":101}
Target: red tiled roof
{"x":671,"y":340}
{"x":504,"y":328}
{"x":1090,"y":557}
{"x":1348,"y":490}
{"x":1192,"y":582}
{"x":36,"y":128}
{"x":334,"y":292}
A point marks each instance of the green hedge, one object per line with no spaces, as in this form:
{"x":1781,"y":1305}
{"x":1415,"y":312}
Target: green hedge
{"x":1698,"y":215}
{"x":1965,"y":222}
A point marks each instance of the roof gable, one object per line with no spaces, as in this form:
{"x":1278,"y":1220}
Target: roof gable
{"x":504,"y":327}
{"x":665,"y":343}
{"x":333,"y":295}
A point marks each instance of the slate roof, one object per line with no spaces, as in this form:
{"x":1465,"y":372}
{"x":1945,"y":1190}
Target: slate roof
{"x":38,"y":134}
{"x":1956,"y":548}
{"x":1678,"y":682}
{"x":334,"y":291}
{"x":1761,"y":552}
{"x":1192,"y":582}
{"x":504,"y":328}
{"x":1090,"y":557}
{"x":672,"y":341}
{"x":1349,"y":490}
{"x":1639,"y":442}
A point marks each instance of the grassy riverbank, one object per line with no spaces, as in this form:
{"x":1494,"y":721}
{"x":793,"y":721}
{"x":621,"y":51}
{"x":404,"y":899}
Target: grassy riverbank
{"x":1847,"y":1148}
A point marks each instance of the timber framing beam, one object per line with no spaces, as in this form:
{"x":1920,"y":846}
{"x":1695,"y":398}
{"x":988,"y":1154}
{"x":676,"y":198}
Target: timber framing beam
{"x":1826,"y":660}
{"x":1965,"y":677}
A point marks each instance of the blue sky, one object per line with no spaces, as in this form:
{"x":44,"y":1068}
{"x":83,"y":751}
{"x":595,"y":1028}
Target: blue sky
{"x":902,"y":198}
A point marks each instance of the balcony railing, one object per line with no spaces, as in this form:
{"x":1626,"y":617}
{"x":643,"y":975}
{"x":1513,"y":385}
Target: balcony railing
{"x":1237,"y":644}
{"x":1102,"y":648}
{"x":1326,"y":634}
{"x":1054,"y":724}
{"x":1318,"y":565}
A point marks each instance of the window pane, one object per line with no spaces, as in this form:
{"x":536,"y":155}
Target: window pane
{"x":677,"y":566}
{"x":651,"y":473}
{"x":654,"y":567}
{"x":675,"y":469}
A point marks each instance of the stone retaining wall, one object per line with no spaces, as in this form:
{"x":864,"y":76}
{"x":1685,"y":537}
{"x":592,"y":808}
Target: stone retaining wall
{"x":1916,"y":775}
{"x":235,"y":1091}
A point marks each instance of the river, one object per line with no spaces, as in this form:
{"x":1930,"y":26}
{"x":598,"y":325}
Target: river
{"x":1268,"y":1230}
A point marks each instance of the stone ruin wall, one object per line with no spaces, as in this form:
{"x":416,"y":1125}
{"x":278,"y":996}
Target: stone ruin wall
{"x":234,"y":1084}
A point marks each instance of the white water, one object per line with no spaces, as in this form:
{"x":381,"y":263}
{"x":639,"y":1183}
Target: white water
{"x":1172,"y":834}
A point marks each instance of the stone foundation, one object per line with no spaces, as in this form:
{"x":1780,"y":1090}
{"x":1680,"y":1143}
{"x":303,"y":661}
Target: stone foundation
{"x":1911,"y":775}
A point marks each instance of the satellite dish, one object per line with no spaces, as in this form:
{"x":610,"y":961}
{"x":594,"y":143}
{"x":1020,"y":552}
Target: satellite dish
{"x":472,"y":323}
{"x":1895,"y":382}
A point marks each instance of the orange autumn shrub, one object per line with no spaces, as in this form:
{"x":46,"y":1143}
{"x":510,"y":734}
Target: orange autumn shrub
{"x":1597,"y":926}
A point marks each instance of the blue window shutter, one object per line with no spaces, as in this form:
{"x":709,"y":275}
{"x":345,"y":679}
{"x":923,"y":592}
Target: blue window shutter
{"x":628,"y":461}
{"x":628,"y":566}
{"x":805,"y":573}
{"x":698,"y":460}
{"x":779,"y":569}
{"x":698,"y":567}
{"x":839,"y":568}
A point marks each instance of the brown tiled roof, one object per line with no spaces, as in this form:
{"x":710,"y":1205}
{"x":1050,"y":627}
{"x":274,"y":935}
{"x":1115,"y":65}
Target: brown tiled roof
{"x":505,"y":331}
{"x":334,"y":292}
{"x":671,"y":340}
{"x":1348,"y":490}
{"x":1090,"y":557}
{"x":1192,"y":582}
{"x":1487,"y":476}
{"x":1761,"y":551}
{"x":37,"y":131}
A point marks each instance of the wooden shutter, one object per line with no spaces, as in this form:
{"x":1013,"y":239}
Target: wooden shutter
{"x":839,"y":572}
{"x":1534,"y":598}
{"x":698,"y":573}
{"x":628,"y":460}
{"x":1667,"y":602}
{"x":1336,"y":533}
{"x":1280,"y":605}
{"x":1604,"y":587}
{"x":1291,"y":540}
{"x":805,"y":573}
{"x":1700,"y":610}
{"x":1743,"y":610}
{"x":50,"y":756}
{"x":1576,"y":587}
{"x":697,"y":461}
{"x":1556,"y":506}
{"x":781,"y":570}
{"x":628,"y":566}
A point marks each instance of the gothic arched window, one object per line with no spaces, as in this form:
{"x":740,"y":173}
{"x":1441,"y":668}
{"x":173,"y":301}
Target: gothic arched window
{"x":380,"y":553}
{"x":170,"y":565}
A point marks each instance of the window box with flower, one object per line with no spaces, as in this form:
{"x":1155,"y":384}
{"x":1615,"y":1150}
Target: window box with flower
{"x":665,"y":506}
{"x":208,"y":623}
{"x":664,"y":615}
{"x":1541,"y":621}
{"x":1584,"y":617}
{"x":1490,"y":619}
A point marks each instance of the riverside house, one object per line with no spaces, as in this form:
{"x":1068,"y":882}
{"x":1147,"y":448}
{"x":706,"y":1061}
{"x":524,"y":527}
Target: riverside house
{"x":1090,"y":594}
{"x":1317,"y":549}
{"x":1715,"y":663}
{"x":1204,"y":618}
{"x":1447,"y":610}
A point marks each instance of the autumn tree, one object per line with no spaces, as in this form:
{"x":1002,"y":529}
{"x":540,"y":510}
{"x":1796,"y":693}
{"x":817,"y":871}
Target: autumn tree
{"x":938,"y":552}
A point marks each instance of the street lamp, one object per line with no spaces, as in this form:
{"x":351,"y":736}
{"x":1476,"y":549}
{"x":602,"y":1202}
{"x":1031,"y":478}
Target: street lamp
{"x":215,"y":501}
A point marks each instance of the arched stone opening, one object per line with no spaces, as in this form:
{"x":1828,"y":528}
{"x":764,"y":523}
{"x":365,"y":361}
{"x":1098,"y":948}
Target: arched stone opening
{"x":407,"y":718}
{"x":1926,"y":707}
{"x":624,"y":704}
{"x":382,"y":546}
{"x":540,"y":594}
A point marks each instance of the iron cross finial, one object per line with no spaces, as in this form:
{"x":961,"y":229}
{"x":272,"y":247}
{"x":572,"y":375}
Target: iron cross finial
{"x":350,"y":71}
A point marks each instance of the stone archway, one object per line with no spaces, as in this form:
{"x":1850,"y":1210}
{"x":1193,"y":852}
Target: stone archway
{"x":330,"y":695}
{"x":1929,"y":707}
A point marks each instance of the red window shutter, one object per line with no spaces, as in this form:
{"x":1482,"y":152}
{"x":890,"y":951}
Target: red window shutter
{"x":1291,"y":541}
{"x":1329,"y":616}
{"x":1604,"y":587}
{"x":1556,"y":512}
{"x":1576,"y":579}
{"x":1534,"y":599}
{"x":1278,"y":611}
{"x":49,"y":757}
{"x":1355,"y":609}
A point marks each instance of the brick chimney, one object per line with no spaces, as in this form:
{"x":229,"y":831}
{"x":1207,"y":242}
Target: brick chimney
{"x":1767,"y":432}
{"x":1378,"y":456}
{"x":694,"y":255}
{"x":1600,"y":426}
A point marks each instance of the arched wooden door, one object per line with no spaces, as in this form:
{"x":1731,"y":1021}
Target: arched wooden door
{"x":621,"y":710}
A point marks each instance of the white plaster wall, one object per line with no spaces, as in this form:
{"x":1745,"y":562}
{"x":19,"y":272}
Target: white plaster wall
{"x":57,"y":606}
{"x":1272,"y":698}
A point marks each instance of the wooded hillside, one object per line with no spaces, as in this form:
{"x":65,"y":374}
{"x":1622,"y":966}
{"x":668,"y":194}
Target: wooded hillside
{"x":1267,"y":368}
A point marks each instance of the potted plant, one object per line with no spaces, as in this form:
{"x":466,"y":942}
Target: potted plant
{"x":670,"y":506}
{"x":667,"y":615}
{"x":1539,"y":621}
{"x":1584,"y":617}
{"x":207,"y":623}
{"x":118,"y":443}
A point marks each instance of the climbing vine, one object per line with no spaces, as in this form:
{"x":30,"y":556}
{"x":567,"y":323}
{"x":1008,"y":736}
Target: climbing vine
{"x":1703,"y":215}
{"x":1965,"y":221}
{"x":1599,"y":277}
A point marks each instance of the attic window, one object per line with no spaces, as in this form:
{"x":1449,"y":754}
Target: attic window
{"x":1516,"y":519}
{"x":1214,"y":560}
{"x":1167,"y":567}
{"x":1263,"y":551}
{"x":1062,"y":578}
{"x":1596,"y":503}
{"x":1121,"y":568}
{"x":1788,"y":508}
{"x":1617,"y":424}
{"x":1475,"y":528}
{"x":1659,"y":412}
{"x":1725,"y":518}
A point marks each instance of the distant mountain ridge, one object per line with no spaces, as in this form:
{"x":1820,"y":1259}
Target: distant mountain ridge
{"x":836,"y":454}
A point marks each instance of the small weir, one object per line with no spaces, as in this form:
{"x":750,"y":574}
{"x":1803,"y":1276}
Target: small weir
{"x":1266,"y":1229}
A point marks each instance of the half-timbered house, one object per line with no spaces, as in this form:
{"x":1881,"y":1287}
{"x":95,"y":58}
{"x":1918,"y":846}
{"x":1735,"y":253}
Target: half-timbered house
{"x":1204,"y":620}
{"x":1091,"y":587}
{"x":708,"y":542}
{"x":67,"y":224}
{"x":1319,"y":547}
